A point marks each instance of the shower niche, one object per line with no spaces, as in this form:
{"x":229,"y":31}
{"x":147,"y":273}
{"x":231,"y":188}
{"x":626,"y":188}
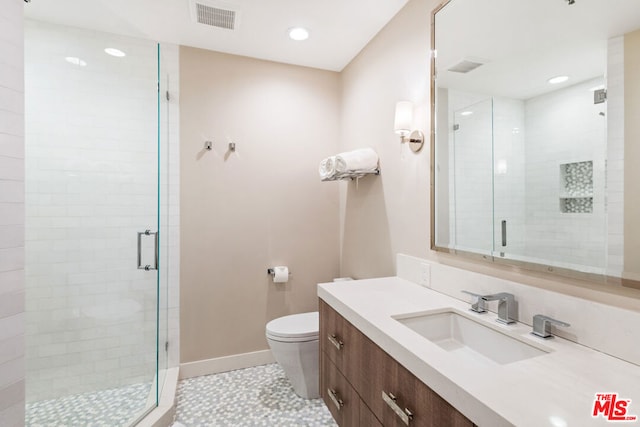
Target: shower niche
{"x":576,"y":187}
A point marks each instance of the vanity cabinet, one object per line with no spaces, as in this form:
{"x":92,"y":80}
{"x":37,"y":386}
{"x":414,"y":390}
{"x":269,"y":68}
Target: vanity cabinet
{"x":364,"y":386}
{"x":339,"y":395}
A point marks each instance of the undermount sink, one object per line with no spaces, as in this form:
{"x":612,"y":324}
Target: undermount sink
{"x":457,"y":332}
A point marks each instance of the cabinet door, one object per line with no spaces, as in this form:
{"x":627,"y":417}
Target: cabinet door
{"x":398,"y":398}
{"x":341,"y":342}
{"x":341,"y":399}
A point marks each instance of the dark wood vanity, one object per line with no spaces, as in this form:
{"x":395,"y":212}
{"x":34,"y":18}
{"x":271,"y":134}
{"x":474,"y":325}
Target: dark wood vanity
{"x":364,"y":386}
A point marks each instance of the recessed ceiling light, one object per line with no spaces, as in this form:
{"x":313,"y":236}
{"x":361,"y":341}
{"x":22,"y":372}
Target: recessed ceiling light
{"x":75,"y":61}
{"x":115,"y":52}
{"x":558,"y":79}
{"x":298,"y":33}
{"x":466,"y":113}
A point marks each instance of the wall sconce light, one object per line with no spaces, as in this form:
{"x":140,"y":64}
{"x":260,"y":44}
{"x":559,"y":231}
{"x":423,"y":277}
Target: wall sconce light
{"x":402,"y":126}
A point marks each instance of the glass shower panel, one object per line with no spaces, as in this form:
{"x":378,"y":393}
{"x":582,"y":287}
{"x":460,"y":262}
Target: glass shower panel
{"x":509,"y":177}
{"x":473,"y":178}
{"x":92,"y":185}
{"x":167,"y":58}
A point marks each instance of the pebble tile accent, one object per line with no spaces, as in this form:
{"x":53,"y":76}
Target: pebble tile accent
{"x":252,"y":397}
{"x":578,"y":186}
{"x":107,"y":408}
{"x":578,"y":178}
{"x":578,"y":205}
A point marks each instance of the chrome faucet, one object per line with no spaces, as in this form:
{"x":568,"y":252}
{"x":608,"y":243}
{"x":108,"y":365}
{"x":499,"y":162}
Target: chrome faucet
{"x":507,"y":312}
{"x":479,"y":305}
{"x":542,"y":325}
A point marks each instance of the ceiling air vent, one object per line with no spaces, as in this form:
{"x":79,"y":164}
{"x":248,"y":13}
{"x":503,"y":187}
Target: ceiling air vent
{"x":464,"y":66}
{"x":214,"y":16}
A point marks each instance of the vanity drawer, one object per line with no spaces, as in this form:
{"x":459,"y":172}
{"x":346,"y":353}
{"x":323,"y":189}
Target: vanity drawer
{"x":341,"y":342}
{"x":339,"y":396}
{"x":367,"y":419}
{"x":398,"y":398}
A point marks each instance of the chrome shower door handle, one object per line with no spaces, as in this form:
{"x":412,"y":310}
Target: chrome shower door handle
{"x":504,"y":233}
{"x":155,"y":246}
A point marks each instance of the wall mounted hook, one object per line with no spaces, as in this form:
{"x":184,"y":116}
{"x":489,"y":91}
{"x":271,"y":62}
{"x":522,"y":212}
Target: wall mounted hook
{"x":232,"y":146}
{"x":208,"y":145}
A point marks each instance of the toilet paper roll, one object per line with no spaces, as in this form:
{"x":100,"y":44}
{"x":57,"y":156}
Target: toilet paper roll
{"x":281,"y":274}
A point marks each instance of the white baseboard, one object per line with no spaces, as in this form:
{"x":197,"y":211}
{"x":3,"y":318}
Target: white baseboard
{"x":226,"y":363}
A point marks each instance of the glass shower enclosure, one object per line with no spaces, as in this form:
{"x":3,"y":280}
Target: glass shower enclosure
{"x":96,"y":188}
{"x":523,"y":179}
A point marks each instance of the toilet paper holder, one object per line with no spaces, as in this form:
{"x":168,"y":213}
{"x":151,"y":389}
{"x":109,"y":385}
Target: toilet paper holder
{"x":272,"y":272}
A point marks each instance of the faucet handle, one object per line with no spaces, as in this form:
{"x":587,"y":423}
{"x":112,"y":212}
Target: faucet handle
{"x":542,"y":325}
{"x":500,"y":296}
{"x":479,"y":306}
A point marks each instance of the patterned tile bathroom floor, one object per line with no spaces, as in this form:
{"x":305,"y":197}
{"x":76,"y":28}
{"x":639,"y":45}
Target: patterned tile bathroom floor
{"x":259,"y":396}
{"x":105,"y":408}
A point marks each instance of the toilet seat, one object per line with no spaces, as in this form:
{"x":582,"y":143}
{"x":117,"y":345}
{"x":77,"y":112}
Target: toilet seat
{"x":294,"y":328}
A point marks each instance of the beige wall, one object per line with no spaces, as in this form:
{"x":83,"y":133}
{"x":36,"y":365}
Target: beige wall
{"x":261,"y":206}
{"x":631,"y":155}
{"x":384,"y":215}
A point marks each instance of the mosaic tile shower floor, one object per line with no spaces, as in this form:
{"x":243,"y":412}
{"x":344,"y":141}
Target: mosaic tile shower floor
{"x":258,"y":396}
{"x":105,"y":408}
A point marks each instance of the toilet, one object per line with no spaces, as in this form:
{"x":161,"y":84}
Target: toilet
{"x":294,"y":344}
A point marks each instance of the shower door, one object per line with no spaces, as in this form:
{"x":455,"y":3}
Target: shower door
{"x":472,"y":178}
{"x":93,"y":170}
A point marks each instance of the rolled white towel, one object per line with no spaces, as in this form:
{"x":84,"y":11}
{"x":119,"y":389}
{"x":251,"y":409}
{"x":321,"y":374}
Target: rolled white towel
{"x":327,"y":168}
{"x":362,"y":160}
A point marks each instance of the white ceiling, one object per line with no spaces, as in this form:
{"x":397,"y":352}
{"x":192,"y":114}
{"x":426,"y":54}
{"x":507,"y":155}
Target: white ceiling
{"x":528,"y":42}
{"x":339,"y":28}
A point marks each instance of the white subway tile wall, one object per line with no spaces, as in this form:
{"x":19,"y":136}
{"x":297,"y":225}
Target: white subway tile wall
{"x":12,"y":288}
{"x":615,"y":156}
{"x":91,"y":185}
{"x":565,"y":127}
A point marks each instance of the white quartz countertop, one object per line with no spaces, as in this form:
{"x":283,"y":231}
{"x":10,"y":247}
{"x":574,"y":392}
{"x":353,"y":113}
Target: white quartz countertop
{"x":556,"y":389}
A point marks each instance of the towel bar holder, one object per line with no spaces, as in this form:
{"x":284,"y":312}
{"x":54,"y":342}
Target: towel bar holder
{"x":352,"y":175}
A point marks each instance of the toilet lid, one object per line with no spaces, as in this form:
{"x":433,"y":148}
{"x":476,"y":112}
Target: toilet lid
{"x":304,"y":325}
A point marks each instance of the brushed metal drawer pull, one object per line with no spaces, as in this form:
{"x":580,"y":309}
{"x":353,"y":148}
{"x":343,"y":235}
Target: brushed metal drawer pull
{"x":335,"y":399}
{"x":405,"y":415}
{"x":335,"y":341}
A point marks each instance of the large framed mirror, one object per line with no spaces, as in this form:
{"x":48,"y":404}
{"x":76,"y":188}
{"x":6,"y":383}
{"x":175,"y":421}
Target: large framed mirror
{"x":536,"y":134}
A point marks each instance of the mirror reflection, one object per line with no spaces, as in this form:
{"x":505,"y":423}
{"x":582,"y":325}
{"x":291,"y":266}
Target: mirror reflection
{"x":530,"y":147}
